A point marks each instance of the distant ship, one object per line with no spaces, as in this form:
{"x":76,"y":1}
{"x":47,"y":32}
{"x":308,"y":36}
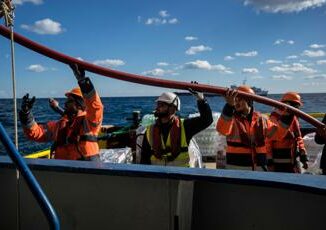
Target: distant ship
{"x":257,"y":90}
{"x":186,"y":93}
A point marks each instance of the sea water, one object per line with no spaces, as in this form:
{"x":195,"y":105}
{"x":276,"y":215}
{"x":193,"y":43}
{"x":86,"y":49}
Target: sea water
{"x":117,"y":110}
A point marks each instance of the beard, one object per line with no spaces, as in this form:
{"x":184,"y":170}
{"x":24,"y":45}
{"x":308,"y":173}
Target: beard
{"x":160,"y":114}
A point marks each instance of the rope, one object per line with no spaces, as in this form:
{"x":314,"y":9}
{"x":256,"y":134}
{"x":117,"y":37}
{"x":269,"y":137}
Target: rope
{"x":152,"y":81}
{"x":7,"y":11}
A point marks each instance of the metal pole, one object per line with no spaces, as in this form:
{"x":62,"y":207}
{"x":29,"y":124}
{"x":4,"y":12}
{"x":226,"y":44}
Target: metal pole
{"x":31,"y":181}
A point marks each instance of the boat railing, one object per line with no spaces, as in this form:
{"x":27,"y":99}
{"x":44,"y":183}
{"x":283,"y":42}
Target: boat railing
{"x":31,"y":181}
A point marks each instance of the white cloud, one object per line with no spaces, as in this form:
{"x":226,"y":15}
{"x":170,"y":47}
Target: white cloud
{"x":292,"y":68}
{"x":317,"y":46}
{"x":248,"y":54}
{"x":316,"y":77}
{"x":190,"y":38}
{"x":45,"y":26}
{"x":196,"y":49}
{"x":321,"y":62}
{"x":173,"y":21}
{"x":155,"y":72}
{"x":159,"y":21}
{"x":163,"y":14}
{"x":162,"y":20}
{"x":282,"y":77}
{"x":158,"y":72}
{"x":280,"y":41}
{"x":162,"y":64}
{"x":272,"y":61}
{"x":155,"y":21}
{"x":205,"y":65}
{"x":292,"y":57}
{"x":228,"y":58}
{"x":284,"y":6}
{"x":36,"y":68}
{"x":21,"y":2}
{"x":312,"y":53}
{"x":109,"y":62}
{"x":250,"y":70}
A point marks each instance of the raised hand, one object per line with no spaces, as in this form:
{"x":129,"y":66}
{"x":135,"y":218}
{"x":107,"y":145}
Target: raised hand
{"x":27,"y":103}
{"x":78,"y":72}
{"x":198,"y":95}
{"x":230,"y":96}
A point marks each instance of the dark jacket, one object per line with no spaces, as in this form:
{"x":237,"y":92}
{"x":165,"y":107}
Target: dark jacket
{"x":192,"y":126}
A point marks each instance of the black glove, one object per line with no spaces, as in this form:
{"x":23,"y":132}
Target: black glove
{"x":78,"y":72}
{"x":27,"y":103}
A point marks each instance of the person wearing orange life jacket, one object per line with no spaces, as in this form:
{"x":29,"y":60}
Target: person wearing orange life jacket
{"x":286,"y":150}
{"x":75,"y":134}
{"x":166,"y":141}
{"x":246,"y":131}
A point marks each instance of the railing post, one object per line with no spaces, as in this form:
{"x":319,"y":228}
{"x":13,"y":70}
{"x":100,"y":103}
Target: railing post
{"x":31,"y":181}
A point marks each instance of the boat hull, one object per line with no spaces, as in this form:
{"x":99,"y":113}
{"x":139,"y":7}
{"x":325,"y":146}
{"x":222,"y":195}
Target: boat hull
{"x":88,"y":195}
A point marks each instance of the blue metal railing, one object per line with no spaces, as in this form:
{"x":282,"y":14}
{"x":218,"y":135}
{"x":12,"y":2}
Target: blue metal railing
{"x":32,"y":183}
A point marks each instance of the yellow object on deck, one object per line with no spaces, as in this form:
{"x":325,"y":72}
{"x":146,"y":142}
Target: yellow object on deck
{"x":315,"y":115}
{"x":41,"y":154}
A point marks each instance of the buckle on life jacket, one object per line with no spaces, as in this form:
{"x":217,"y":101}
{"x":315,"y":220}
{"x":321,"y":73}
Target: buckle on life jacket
{"x":90,"y":138}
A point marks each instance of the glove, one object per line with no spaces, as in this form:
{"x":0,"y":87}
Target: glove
{"x":198,"y":95}
{"x":304,"y":160}
{"x":53,"y":103}
{"x":78,"y":72}
{"x":27,"y":103}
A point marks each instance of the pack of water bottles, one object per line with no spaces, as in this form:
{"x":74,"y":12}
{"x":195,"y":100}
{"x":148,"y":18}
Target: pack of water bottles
{"x":209,"y":141}
{"x":117,"y":155}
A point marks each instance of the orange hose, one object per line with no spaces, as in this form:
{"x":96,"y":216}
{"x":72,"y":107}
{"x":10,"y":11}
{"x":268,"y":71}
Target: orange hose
{"x":149,"y":80}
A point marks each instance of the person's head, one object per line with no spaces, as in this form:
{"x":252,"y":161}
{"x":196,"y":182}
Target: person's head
{"x":74,"y":102}
{"x":167,"y":104}
{"x":293,"y":99}
{"x":243,"y":105}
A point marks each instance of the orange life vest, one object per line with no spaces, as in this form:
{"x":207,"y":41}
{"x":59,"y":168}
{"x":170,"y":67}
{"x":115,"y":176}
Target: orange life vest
{"x":76,"y":139}
{"x":246,"y":140}
{"x":284,"y":150}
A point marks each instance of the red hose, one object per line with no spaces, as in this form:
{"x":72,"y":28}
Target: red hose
{"x":149,"y":80}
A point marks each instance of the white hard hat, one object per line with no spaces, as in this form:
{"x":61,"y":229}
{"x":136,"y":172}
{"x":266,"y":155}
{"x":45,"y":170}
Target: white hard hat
{"x":169,"y":98}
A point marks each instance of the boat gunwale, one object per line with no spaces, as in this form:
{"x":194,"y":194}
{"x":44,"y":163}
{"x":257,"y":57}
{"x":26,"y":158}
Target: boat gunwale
{"x":297,"y":182}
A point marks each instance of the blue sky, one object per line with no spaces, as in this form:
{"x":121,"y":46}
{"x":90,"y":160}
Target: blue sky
{"x":279,"y":45}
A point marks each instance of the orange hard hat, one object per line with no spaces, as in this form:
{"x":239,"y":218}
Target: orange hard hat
{"x":292,"y":97}
{"x":75,"y":91}
{"x":246,"y":89}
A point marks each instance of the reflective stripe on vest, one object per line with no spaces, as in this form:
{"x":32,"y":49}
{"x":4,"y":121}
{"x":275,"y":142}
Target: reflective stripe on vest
{"x":181,"y":160}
